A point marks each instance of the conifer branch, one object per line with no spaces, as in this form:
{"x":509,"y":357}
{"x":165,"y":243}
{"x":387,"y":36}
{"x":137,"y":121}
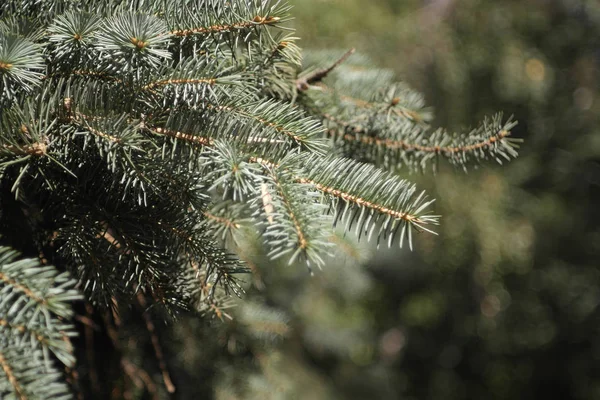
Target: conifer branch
{"x":280,"y":118}
{"x":256,"y":21}
{"x":198,"y":140}
{"x":55,"y":340}
{"x":38,"y":149}
{"x":415,"y":145}
{"x":35,"y":304}
{"x":364,"y":187}
{"x":302,"y":242}
{"x":359,"y":136}
{"x":296,"y":221}
{"x":228,"y":223}
{"x":8,"y":372}
{"x":188,"y":81}
{"x":22,"y":288}
{"x":80,"y":120}
{"x":394,"y":106}
{"x":361,"y":202}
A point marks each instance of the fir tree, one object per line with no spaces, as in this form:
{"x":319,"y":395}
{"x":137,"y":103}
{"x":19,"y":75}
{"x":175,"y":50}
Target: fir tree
{"x":146,"y":144}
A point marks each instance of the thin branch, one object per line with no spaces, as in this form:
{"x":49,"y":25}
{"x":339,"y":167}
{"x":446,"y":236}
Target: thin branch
{"x":224,"y":221}
{"x":137,"y":375}
{"x":303,"y":84}
{"x":156,"y":344}
{"x":258,"y":20}
{"x":299,"y":231}
{"x":107,"y":234}
{"x":347,"y":196}
{"x":37,"y":149}
{"x":401,"y":144}
{"x":89,"y":350}
{"x":362,"y":202}
{"x":11,"y":377}
{"x":279,"y":128}
{"x":73,"y":381}
{"x":81,"y":120}
{"x":201,"y":140}
{"x":182,"y":81}
{"x":28,"y":292}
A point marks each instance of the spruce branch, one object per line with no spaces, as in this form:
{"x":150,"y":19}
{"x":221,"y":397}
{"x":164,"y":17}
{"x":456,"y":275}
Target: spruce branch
{"x":225,"y":220}
{"x":72,"y":37}
{"x":415,"y":146}
{"x":22,"y":135}
{"x":192,"y":81}
{"x":28,"y":378}
{"x":258,"y":128}
{"x":217,"y":19}
{"x":393,"y":100}
{"x":359,"y":189}
{"x":369,"y":194}
{"x":230,"y":171}
{"x":230,"y":27}
{"x":35,"y":305}
{"x":281,"y":119}
{"x":297,"y":224}
{"x":9,"y":374}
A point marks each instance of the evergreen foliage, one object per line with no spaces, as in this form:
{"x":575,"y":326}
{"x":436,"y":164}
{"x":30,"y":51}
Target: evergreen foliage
{"x":140,"y":139}
{"x":35,"y":301}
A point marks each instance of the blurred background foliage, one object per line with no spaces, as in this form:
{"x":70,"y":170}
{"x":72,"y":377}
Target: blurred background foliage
{"x":504,"y":303}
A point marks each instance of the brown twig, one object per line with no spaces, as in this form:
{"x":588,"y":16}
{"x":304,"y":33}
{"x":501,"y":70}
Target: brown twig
{"x":87,"y":321}
{"x":138,"y":376}
{"x":73,"y":381}
{"x":36,"y":149}
{"x":89,"y":347}
{"x":303,"y":84}
{"x":221,"y":220}
{"x":156,"y":344}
